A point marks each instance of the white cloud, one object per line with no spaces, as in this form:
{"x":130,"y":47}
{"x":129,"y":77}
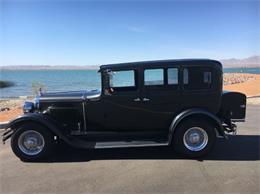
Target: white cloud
{"x":135,"y":29}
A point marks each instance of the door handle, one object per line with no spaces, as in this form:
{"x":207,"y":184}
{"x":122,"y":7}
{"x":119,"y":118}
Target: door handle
{"x":146,"y":99}
{"x":137,"y":99}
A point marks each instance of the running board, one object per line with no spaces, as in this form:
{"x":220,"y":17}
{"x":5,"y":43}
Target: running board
{"x":126,"y":144}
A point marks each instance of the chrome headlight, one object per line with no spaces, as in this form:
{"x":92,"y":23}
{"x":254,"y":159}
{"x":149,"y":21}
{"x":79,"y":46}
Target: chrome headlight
{"x":28,"y":107}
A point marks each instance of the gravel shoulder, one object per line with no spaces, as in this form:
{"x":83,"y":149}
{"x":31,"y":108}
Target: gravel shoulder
{"x":253,"y":101}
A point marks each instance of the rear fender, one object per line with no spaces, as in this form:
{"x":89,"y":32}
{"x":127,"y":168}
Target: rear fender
{"x":196,"y":112}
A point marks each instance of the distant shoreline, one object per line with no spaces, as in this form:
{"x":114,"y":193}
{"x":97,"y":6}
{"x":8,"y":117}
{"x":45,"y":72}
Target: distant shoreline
{"x":26,"y":67}
{"x":249,"y":62}
{"x":91,"y":67}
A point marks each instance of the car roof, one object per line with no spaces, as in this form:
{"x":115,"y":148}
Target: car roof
{"x":162,"y":62}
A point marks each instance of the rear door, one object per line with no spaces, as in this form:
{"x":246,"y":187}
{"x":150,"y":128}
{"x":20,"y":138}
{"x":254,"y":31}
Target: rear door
{"x":160,"y":95}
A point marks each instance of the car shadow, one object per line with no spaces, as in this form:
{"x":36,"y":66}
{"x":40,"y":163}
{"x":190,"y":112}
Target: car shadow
{"x":236,"y":148}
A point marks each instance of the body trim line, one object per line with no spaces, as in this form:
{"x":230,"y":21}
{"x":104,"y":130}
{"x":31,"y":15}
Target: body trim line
{"x":115,"y":144}
{"x":84,"y":116}
{"x":238,"y":120}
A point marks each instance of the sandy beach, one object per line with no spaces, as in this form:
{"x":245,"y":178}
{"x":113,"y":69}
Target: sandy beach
{"x":244,"y":83}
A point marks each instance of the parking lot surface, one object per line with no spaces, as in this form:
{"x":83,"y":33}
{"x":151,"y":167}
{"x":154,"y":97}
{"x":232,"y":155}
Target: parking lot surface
{"x":232,"y":167}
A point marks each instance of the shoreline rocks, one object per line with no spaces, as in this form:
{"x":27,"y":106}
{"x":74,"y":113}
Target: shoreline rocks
{"x":234,"y":78}
{"x":5,"y":84}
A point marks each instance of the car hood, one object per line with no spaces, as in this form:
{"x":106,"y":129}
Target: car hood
{"x":70,"y":95}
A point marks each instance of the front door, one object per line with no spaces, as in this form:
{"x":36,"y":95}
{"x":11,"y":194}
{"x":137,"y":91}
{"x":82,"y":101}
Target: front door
{"x":122,"y":102}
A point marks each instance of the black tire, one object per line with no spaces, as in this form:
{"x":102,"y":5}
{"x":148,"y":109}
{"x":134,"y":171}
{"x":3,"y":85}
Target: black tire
{"x":197,"y":123}
{"x":47,"y":146}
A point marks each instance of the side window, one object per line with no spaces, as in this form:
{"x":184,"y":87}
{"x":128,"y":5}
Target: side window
{"x":153,"y":77}
{"x":207,"y":77}
{"x":172,"y":76}
{"x":122,"y":79}
{"x":185,"y":76}
{"x":196,"y":78}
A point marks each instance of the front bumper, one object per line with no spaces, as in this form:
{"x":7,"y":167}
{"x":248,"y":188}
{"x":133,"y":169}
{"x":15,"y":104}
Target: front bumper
{"x":6,"y":134}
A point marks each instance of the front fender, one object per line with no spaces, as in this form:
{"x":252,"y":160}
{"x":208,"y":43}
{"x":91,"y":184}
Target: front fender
{"x":194,"y":112}
{"x":42,"y":119}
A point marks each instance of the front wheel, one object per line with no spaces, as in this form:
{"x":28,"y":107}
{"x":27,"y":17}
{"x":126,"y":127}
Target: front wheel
{"x":32,"y":142}
{"x":194,"y":138}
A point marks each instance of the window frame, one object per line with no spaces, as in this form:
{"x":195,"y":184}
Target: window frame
{"x":154,"y":86}
{"x":212,"y":85}
{"x":165,"y":85}
{"x":126,"y":88}
{"x":178,"y":77}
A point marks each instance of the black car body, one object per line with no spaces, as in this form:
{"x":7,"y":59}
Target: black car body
{"x":169,"y":102}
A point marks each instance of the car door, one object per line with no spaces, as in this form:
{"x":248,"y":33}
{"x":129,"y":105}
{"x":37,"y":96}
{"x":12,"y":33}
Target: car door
{"x":160,"y":95}
{"x":123,"y":104}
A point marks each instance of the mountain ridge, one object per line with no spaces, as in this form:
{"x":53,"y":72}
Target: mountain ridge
{"x":249,"y":62}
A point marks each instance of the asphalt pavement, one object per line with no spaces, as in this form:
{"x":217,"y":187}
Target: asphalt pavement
{"x":232,"y":167}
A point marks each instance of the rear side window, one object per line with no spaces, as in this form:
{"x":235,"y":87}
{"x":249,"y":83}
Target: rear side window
{"x":153,"y":77}
{"x":196,"y":78}
{"x":172,"y":76}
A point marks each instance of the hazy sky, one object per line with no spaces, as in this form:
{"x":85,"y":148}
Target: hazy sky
{"x":97,"y":32}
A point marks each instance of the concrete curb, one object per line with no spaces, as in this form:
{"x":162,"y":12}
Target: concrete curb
{"x":3,"y":124}
{"x":253,"y":96}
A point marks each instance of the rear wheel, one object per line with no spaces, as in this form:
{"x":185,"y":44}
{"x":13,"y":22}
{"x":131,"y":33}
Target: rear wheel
{"x":32,"y":142}
{"x":194,"y":138}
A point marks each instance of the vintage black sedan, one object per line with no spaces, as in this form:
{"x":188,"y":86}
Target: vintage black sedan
{"x":178,"y":103}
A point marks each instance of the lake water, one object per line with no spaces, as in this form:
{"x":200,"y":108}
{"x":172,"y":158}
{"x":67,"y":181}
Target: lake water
{"x":64,"y":80}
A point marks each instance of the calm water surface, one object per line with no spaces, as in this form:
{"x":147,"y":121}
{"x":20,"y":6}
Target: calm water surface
{"x":64,"y":80}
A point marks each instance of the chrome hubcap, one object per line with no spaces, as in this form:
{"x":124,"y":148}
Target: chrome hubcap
{"x":195,"y":139}
{"x":31,"y":142}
